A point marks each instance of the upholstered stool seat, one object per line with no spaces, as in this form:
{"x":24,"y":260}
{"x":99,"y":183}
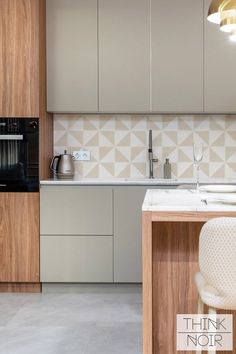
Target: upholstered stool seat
{"x":216,"y":281}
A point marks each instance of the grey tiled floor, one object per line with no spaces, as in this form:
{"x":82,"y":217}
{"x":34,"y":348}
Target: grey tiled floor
{"x":72,"y":320}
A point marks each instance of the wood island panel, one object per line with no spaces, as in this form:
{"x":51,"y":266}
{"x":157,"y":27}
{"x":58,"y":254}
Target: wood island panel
{"x":175,"y":261}
{"x":170,"y":260}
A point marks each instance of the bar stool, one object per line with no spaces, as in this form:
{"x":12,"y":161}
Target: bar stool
{"x":216,"y":281}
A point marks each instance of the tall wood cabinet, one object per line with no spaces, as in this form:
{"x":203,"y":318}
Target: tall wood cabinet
{"x":23,"y":94}
{"x":19,"y":58}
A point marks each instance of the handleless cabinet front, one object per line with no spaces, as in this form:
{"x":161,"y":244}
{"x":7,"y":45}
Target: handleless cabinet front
{"x":72,"y":75}
{"x":76,"y":243}
{"x":177,"y":56}
{"x":124,"y":55}
{"x":76,"y":211}
{"x":76,"y":259}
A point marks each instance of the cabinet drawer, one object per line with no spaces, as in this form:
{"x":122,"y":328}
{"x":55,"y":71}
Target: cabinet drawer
{"x":76,"y":259}
{"x":76,"y":211}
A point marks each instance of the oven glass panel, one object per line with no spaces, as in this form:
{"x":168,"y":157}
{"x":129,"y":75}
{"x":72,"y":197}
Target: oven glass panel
{"x":19,"y":154}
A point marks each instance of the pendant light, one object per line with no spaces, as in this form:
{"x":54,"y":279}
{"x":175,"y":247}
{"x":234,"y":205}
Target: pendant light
{"x":221,"y":9}
{"x":223,"y":13}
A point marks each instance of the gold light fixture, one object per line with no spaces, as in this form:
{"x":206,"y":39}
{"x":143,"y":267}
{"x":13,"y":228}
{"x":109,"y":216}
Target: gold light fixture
{"x":223,"y":13}
{"x":228,"y":24}
{"x":221,"y":9}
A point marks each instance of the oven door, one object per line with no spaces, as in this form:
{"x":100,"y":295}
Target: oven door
{"x":17,"y":157}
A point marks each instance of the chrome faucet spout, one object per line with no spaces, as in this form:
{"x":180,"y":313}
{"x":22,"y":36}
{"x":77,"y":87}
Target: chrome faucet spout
{"x":150,"y":156}
{"x":150,"y":140}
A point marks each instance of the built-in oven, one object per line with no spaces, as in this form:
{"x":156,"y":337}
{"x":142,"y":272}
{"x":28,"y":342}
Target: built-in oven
{"x":19,"y":154}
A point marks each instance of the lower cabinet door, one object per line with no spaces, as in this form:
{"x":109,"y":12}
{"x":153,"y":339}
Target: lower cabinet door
{"x":76,"y":259}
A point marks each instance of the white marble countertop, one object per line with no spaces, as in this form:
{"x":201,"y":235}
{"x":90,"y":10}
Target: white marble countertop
{"x":186,"y":200}
{"x":109,"y":181}
{"x":128,"y":181}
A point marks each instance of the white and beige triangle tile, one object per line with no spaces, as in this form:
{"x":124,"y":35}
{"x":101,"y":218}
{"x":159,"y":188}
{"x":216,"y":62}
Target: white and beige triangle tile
{"x":106,"y":122}
{"x":106,"y":154}
{"x":106,"y":169}
{"x":155,"y":123}
{"x":107,"y":138}
{"x":170,"y":123}
{"x":138,"y":138}
{"x":118,"y":143}
{"x":122,"y":138}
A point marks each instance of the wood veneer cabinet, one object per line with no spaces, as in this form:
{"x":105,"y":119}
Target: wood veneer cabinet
{"x":19,"y":58}
{"x":23,"y":94}
{"x":19,"y":241}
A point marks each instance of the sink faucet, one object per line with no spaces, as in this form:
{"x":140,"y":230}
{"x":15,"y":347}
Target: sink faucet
{"x":150,"y":156}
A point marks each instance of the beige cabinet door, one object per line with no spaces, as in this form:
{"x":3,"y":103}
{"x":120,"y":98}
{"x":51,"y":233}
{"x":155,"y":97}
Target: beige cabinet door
{"x":127,"y":233}
{"x":177,"y":55}
{"x":72,"y":76}
{"x":124,"y":55}
{"x":219,"y":69}
{"x":76,"y":259}
{"x":76,"y":210}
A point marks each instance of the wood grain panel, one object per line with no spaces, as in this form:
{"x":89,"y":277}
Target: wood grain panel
{"x":200,"y":216}
{"x":19,"y":237}
{"x":46,"y":119}
{"x":20,"y":287}
{"x":147,"y":281}
{"x":19,"y":58}
{"x":175,"y":261}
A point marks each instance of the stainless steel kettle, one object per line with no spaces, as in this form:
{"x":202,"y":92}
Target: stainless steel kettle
{"x":63,"y":165}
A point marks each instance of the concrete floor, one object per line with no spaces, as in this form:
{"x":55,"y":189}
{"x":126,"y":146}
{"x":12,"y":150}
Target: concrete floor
{"x":82,"y":319}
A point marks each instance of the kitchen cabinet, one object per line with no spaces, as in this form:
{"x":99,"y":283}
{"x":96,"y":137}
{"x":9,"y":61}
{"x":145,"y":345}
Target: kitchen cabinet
{"x":91,"y":233}
{"x":124,"y":55}
{"x":19,"y":55}
{"x":219,"y":69}
{"x":127,"y":233}
{"x":19,"y":238}
{"x":76,"y":259}
{"x":137,"y":56}
{"x":72,"y":72}
{"x":177,"y":56}
{"x":76,"y":234}
{"x":76,"y":211}
{"x":23,"y":94}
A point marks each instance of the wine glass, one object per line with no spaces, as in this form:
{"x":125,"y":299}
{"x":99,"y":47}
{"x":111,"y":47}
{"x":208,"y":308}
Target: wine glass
{"x":197,"y":157}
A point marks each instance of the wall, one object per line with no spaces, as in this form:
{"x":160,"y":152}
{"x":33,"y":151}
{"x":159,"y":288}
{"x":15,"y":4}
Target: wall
{"x":118,"y":144}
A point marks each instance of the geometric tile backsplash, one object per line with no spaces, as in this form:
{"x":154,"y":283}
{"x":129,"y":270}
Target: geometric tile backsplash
{"x":118,"y":143}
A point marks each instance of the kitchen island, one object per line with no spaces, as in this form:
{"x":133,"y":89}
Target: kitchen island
{"x":172,"y":221}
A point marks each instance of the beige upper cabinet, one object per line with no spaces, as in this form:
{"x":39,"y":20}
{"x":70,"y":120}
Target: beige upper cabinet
{"x":124,"y":55}
{"x":72,"y":75}
{"x":177,"y":55}
{"x":219,"y":70}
